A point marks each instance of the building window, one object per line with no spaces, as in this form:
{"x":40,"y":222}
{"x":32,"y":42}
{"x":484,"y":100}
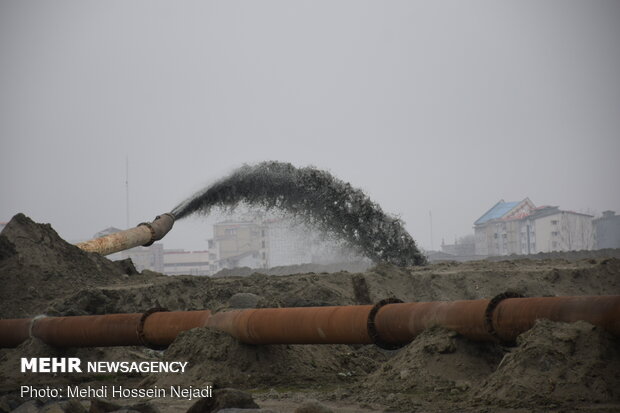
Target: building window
{"x":554,"y":222}
{"x":555,"y":233}
{"x":230,"y":231}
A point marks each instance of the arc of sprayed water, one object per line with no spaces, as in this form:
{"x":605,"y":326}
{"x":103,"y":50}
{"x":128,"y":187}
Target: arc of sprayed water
{"x":320,"y":200}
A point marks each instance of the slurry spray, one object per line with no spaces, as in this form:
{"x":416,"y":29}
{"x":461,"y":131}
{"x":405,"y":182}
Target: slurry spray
{"x":317,"y":198}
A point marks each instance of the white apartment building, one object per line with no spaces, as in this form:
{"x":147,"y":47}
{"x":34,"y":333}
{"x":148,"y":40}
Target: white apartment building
{"x":181,"y":262}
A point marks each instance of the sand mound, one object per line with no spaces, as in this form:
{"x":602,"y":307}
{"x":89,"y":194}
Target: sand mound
{"x":10,"y":363}
{"x":349,"y":266}
{"x":36,"y":265}
{"x":172,"y":294}
{"x":557,"y":362}
{"x":223,"y":361}
{"x":436,"y":363}
{"x":188,"y":293}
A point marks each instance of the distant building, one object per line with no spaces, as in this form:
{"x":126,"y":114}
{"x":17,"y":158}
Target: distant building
{"x":549,"y":229}
{"x":146,"y":258}
{"x":251,"y":259}
{"x":607,"y":230}
{"x":272,"y":242}
{"x":521,"y":228}
{"x":239,"y":243}
{"x":180,"y":262}
{"x":258,"y":244}
{"x":463,"y":247}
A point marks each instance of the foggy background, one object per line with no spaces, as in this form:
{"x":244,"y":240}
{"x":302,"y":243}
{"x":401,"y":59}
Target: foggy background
{"x":442,"y":106}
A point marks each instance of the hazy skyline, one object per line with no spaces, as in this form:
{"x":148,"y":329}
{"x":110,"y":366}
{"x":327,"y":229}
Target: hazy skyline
{"x":442,"y":106}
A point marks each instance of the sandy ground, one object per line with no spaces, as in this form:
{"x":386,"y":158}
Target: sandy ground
{"x":553,"y":367}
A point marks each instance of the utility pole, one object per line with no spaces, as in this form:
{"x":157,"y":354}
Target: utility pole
{"x":127,"y":191}
{"x":430,"y":216}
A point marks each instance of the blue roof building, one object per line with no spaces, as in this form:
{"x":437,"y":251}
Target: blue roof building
{"x":496,"y":230}
{"x":497,"y":211}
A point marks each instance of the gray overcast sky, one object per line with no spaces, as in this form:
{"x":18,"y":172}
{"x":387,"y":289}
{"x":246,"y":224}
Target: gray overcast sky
{"x":442,"y":106}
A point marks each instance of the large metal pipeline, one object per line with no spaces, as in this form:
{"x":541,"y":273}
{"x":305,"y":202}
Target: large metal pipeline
{"x":144,"y":234}
{"x":387,"y":324}
{"x":154,"y":328}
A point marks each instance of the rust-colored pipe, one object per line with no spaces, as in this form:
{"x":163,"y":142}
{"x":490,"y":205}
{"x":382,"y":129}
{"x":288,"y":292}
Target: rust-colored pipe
{"x":399,"y":323}
{"x":153,"y":329}
{"x":385,"y":324}
{"x":144,"y":234}
{"x":161,"y":328}
{"x":301,"y":325}
{"x":14,"y":331}
{"x":88,"y":331}
{"x":514,"y":316}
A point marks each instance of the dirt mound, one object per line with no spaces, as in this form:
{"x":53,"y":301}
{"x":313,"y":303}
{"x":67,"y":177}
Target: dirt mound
{"x":483,"y":279}
{"x":10,"y":360}
{"x":224,"y":399}
{"x":557,"y":363}
{"x":10,"y":363}
{"x":190,"y":293}
{"x":218,"y":359}
{"x":36,"y":265}
{"x":173,"y":294}
{"x":554,"y":365}
{"x":439,"y":363}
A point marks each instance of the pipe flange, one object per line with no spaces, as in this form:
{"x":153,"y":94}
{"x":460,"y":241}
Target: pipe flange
{"x":33,"y":322}
{"x":150,"y":227}
{"x":372,"y":327}
{"x":488,"y":313}
{"x":140,"y":329}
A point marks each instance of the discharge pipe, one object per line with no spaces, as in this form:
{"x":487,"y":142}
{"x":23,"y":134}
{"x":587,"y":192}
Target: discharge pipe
{"x":389,"y":324}
{"x":144,"y":234}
